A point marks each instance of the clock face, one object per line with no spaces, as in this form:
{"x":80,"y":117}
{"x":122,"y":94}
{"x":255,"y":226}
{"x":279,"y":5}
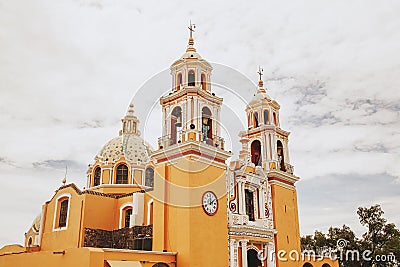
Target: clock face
{"x":210,"y":203}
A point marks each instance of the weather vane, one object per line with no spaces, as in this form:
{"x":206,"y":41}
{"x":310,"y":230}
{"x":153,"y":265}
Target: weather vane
{"x":260,"y":72}
{"x":191,"y":28}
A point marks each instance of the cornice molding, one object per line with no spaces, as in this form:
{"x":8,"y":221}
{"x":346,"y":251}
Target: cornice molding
{"x":283,"y":177}
{"x":191,"y":148}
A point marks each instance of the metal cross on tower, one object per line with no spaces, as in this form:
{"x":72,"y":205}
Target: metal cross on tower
{"x":191,"y":28}
{"x":260,"y":72}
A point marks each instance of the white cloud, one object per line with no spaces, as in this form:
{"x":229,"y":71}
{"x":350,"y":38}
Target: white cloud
{"x":69,"y":69}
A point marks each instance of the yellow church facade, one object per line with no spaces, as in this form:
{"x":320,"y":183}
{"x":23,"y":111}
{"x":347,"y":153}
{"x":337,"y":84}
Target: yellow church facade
{"x":181,"y":204}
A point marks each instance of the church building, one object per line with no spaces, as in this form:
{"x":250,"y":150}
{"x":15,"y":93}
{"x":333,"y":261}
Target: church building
{"x":182,"y":203}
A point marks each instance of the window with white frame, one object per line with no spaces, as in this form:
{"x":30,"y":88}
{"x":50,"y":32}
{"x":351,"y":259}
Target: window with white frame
{"x":61,"y":212}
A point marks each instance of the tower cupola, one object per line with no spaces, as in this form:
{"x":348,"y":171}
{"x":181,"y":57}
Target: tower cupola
{"x":191,"y":110}
{"x":264,"y":143}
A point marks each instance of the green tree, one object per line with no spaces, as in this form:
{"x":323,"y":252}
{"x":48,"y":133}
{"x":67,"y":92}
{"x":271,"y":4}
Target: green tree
{"x":335,"y":238}
{"x":381,"y":238}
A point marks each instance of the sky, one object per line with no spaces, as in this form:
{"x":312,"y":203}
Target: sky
{"x":69,"y":69}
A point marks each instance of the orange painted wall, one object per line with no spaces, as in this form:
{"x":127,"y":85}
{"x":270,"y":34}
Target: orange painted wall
{"x":318,"y":263}
{"x":100,"y":212}
{"x":179,"y":226}
{"x":286,"y":222}
{"x":88,"y":257}
{"x":106,"y":177}
{"x":62,"y":239}
{"x":86,"y":211}
{"x":137,"y":176}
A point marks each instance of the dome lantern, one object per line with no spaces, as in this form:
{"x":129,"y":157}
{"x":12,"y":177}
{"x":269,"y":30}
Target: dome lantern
{"x":130,"y":122}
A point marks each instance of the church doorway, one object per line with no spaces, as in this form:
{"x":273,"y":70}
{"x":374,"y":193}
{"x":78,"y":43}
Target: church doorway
{"x":252,"y":258}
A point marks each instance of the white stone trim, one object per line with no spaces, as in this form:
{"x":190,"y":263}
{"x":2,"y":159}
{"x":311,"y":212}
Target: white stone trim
{"x":68,"y":195}
{"x":252,"y":246}
{"x":44,"y":209}
{"x":244,"y":252}
{"x":123,"y":206}
{"x":151,"y":201}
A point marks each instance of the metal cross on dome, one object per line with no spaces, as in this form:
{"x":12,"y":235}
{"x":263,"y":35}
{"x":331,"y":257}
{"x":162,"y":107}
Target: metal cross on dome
{"x":191,"y":28}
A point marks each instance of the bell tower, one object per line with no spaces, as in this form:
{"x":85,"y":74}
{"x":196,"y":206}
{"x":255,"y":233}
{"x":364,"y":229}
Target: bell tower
{"x":190,"y":171}
{"x":262,"y":194}
{"x":191,"y":110}
{"x":268,"y":143}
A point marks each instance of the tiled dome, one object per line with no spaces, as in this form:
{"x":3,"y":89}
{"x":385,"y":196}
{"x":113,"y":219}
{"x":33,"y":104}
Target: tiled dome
{"x":130,"y":146}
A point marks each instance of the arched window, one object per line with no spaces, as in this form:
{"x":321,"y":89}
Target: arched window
{"x":63,"y":212}
{"x":149,"y":177}
{"x":256,"y":153}
{"x":275,"y":121}
{"x":96,"y":176}
{"x":206,"y":125}
{"x":122,"y":174}
{"x":191,"y":78}
{"x":176,"y":122}
{"x":281,"y":156}
{"x":127,"y":212}
{"x":160,"y":264}
{"x":203,"y":82}
{"x":326,"y":265}
{"x":307,"y":264}
{"x":179,"y":82}
{"x":255,"y":123}
{"x":249,"y":201}
{"x":252,"y":258}
{"x":266,"y":114}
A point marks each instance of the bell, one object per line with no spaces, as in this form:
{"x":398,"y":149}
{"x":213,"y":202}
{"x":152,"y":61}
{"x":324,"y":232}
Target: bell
{"x":178,"y":122}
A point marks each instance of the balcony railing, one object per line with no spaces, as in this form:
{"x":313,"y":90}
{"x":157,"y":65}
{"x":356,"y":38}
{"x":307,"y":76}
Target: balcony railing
{"x":286,"y":168}
{"x":192,"y":135}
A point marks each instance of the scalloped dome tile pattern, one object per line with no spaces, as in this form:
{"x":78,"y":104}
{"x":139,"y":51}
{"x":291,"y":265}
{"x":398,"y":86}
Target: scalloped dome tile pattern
{"x":131,"y":146}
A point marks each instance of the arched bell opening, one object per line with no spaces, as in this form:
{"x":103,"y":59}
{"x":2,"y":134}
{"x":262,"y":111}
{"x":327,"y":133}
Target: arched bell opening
{"x":191,"y":78}
{"x":206,"y":126}
{"x":266,"y":117}
{"x":179,"y":81}
{"x":203,"y":82}
{"x":281,"y":156}
{"x":176,"y":124}
{"x":255,"y":119}
{"x":256,"y":153}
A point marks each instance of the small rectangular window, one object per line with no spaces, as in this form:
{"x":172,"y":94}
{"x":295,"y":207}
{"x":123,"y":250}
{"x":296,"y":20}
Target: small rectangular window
{"x":249,"y":204}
